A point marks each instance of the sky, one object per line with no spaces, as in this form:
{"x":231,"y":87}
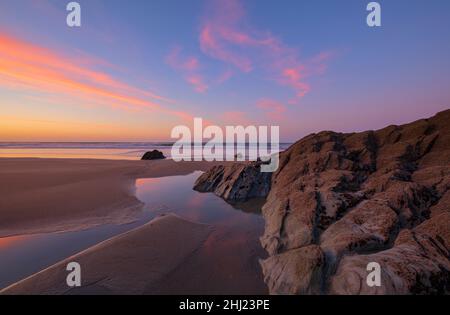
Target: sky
{"x":136,"y":69}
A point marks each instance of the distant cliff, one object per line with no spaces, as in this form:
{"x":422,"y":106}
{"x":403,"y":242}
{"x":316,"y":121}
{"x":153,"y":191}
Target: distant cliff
{"x":340,"y":201}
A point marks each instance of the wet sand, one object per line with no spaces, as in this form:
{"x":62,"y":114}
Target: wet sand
{"x":51,"y":195}
{"x":168,"y":255}
{"x":127,"y":263}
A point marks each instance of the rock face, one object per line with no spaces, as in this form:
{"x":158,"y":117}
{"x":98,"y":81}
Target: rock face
{"x":298,"y":271}
{"x":340,"y":201}
{"x":417,"y":263}
{"x":153,"y":155}
{"x":237,"y":182}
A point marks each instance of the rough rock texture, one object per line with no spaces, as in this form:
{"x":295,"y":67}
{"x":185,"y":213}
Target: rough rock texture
{"x":375,"y":196}
{"x":418,"y":263}
{"x":298,"y":271}
{"x":153,"y":155}
{"x":234,"y":183}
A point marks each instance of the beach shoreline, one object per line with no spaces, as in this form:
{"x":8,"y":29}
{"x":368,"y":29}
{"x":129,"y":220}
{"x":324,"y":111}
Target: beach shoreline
{"x":52,"y":195}
{"x":184,"y":257}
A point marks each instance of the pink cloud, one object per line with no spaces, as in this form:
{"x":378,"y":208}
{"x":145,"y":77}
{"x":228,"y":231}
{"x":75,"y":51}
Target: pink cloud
{"x":197,"y":82}
{"x":189,"y":67}
{"x":175,"y":60}
{"x":235,"y":118}
{"x":191,"y":64}
{"x":225,"y":76}
{"x":274,"y":110}
{"x":27,"y":67}
{"x":211,"y":46}
{"x":319,"y":61}
{"x":294,"y":77}
{"x":227,"y":36}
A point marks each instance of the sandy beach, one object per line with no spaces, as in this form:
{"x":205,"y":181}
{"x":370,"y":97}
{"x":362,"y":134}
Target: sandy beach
{"x":49,"y":195}
{"x":128,"y":263}
{"x":168,"y":255}
{"x":153,"y":259}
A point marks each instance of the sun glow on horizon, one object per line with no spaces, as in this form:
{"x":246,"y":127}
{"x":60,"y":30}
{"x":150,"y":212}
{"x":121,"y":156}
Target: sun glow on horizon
{"x":127,"y":74}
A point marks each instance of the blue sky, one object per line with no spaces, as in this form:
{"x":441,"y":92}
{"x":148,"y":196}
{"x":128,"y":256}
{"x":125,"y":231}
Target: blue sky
{"x":303,"y":65}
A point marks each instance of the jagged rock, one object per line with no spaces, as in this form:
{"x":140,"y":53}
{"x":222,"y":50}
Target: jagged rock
{"x":367,"y":227}
{"x":374,"y":223}
{"x":417,"y":264}
{"x":353,"y":194}
{"x":153,"y":155}
{"x":442,"y":206}
{"x":238,"y":182}
{"x":297,"y":271}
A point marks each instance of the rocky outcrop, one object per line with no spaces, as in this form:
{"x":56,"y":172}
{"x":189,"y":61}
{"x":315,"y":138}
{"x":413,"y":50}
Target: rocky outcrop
{"x":376,"y":196}
{"x":153,"y":155}
{"x":235,"y":183}
{"x":298,"y":271}
{"x":418,"y":263}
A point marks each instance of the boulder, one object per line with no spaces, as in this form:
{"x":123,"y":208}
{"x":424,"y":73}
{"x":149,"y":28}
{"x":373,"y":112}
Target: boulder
{"x":235,"y":183}
{"x":153,"y":155}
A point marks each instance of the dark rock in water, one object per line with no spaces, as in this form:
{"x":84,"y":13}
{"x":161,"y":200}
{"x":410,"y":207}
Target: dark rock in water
{"x":153,"y":155}
{"x":235,"y":183}
{"x":339,"y":201}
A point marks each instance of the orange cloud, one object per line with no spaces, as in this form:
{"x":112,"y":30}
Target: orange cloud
{"x":25,"y":66}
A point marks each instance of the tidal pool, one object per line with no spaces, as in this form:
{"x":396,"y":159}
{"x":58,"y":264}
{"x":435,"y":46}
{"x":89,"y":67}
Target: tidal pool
{"x":237,"y":228}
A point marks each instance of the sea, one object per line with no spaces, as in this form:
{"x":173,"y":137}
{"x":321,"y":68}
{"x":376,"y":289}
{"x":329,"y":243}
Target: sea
{"x":99,"y":150}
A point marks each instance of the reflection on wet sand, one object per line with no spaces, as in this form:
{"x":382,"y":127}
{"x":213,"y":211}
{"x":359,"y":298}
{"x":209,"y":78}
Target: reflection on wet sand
{"x":8,"y":242}
{"x":228,"y":259}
